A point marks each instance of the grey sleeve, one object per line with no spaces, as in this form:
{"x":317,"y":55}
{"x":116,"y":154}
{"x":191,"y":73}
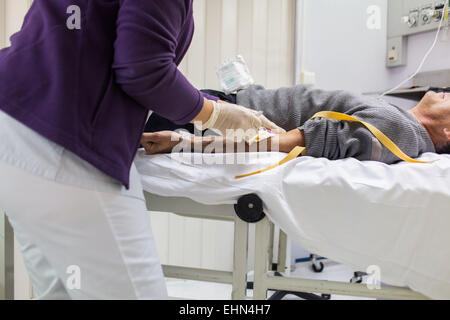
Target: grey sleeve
{"x":293,"y":107}
{"x":335,"y":140}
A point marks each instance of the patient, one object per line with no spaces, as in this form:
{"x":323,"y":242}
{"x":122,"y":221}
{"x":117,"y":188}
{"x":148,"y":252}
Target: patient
{"x":425,"y":128}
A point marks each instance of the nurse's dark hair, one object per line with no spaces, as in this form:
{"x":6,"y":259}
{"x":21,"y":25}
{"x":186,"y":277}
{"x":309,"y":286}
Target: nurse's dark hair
{"x":443,"y":149}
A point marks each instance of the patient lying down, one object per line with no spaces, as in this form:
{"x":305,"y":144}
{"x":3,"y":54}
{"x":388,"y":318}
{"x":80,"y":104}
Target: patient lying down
{"x":425,"y":128}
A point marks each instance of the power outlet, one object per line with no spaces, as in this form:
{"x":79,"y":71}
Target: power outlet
{"x":396,"y":52}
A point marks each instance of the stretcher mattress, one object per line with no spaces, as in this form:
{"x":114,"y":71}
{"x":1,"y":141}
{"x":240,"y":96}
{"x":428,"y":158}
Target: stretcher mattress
{"x":362,"y":214}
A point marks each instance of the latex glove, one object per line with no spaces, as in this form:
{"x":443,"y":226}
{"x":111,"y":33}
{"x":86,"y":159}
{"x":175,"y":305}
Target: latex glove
{"x":227,"y":116}
{"x":266,"y":123}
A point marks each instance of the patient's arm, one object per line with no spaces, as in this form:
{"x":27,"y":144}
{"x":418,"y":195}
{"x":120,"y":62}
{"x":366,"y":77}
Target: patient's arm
{"x":169,"y":141}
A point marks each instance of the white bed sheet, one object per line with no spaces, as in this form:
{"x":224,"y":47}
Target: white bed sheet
{"x":358,"y":213}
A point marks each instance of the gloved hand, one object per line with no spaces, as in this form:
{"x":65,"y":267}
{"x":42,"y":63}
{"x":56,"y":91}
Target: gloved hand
{"x":228,"y":116}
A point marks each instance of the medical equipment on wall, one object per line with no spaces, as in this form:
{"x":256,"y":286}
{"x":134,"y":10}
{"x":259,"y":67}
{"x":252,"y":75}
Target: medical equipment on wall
{"x":441,"y":13}
{"x":410,"y":17}
{"x":234,"y":75}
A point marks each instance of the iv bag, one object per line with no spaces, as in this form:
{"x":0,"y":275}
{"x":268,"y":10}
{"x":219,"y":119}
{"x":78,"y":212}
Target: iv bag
{"x":234,"y":75}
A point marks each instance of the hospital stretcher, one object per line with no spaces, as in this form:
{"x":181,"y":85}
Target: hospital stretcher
{"x":264,"y":278}
{"x":357,"y":213}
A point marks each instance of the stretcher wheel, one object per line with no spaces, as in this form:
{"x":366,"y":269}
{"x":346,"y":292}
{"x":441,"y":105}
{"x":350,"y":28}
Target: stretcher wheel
{"x":318,"y":267}
{"x":358,"y":277}
{"x":250,"y":208}
{"x":356,"y":280}
{"x":279,"y":295}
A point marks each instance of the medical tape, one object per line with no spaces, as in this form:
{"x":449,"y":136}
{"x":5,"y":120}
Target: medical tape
{"x":291,"y":156}
{"x":388,"y":143}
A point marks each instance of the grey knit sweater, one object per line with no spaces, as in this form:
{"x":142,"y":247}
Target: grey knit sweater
{"x":293,"y":107}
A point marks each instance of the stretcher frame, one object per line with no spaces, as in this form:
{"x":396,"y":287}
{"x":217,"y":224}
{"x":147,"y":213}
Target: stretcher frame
{"x":189,"y":208}
{"x":263,"y":278}
{"x":263,"y":281}
{"x":6,"y":259}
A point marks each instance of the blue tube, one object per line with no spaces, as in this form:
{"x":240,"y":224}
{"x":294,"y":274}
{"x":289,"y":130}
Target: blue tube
{"x":301,"y":260}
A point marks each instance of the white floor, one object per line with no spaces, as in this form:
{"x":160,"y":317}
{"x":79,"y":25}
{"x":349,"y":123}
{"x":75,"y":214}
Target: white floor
{"x":186,"y":289}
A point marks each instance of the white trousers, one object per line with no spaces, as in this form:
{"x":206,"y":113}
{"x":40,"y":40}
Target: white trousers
{"x":79,"y":243}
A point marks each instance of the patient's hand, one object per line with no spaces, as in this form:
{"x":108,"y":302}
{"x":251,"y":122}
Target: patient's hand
{"x":160,"y":142}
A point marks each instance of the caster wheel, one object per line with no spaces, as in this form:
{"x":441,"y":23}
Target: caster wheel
{"x":318,"y":267}
{"x":358,"y":277}
{"x":356,"y":280}
{"x":250,"y":208}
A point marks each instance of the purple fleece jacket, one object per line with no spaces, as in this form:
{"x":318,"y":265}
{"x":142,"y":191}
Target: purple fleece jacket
{"x":87,"y":81}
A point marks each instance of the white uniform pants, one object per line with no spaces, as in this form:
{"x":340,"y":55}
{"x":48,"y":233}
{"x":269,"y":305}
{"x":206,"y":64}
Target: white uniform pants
{"x":82,"y":244}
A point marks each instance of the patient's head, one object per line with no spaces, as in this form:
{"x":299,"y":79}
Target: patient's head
{"x":433,"y":112}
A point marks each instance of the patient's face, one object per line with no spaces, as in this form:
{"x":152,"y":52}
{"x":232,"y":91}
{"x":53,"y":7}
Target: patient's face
{"x":440,"y":101}
{"x":439,"y":105}
{"x":436,"y":106}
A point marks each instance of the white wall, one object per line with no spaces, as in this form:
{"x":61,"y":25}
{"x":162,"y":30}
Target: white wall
{"x":344,"y":54}
{"x":11,"y":13}
{"x":339,"y":47}
{"x":418,"y":45}
{"x":260,"y":30}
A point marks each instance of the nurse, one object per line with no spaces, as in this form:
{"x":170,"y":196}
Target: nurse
{"x":76,"y":87}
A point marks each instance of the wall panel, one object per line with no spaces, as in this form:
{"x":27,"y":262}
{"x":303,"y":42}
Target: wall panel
{"x":197,"y":52}
{"x":229,"y":29}
{"x":260,"y":41}
{"x":213,"y":43}
{"x":275,"y":45}
{"x":2,"y":24}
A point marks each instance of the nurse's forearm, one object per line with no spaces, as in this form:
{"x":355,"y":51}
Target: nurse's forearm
{"x":205,"y":113}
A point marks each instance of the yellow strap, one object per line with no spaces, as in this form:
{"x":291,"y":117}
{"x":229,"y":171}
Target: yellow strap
{"x":377,"y":133}
{"x":291,"y":156}
{"x":388,"y":143}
